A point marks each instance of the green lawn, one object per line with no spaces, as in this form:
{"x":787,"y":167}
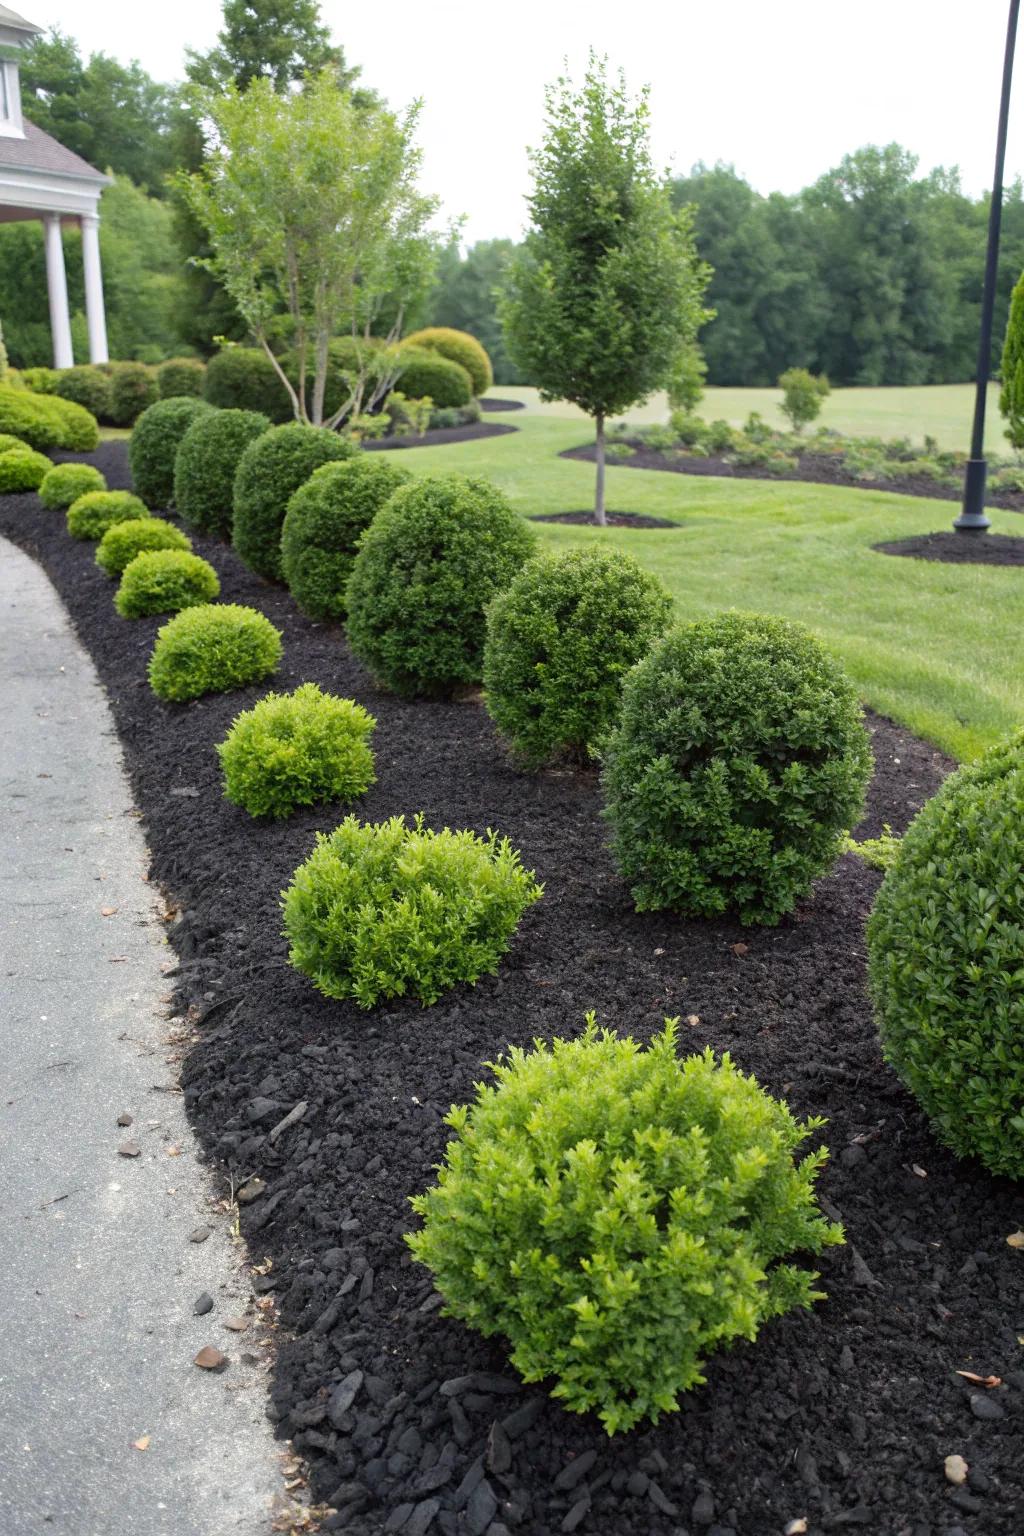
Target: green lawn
{"x":937,"y":647}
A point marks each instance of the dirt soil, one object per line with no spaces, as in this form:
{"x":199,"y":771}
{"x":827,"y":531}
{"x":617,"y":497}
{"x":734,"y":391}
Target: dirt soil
{"x":493,"y":403}
{"x":954,"y":548}
{"x":613,"y":519}
{"x":411,"y":1423}
{"x":438,"y":435}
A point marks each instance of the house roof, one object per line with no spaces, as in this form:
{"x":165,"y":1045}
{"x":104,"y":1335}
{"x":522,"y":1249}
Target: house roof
{"x":37,"y":151}
{"x":9,"y":18}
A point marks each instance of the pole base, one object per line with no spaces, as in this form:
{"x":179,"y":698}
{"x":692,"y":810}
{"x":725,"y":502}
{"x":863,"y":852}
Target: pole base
{"x":972,"y":518}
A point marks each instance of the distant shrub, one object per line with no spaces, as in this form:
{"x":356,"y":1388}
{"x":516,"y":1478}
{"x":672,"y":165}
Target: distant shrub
{"x":165,"y":581}
{"x":8,"y":440}
{"x":211,"y":649}
{"x":22,"y":469}
{"x":803,"y":394}
{"x":42,"y":380}
{"x":64,"y":483}
{"x":377,"y":911}
{"x":133,"y":388}
{"x":123,"y":541}
{"x":719,"y":437}
{"x":616,"y":1214}
{"x":689,"y":431}
{"x":618,"y":453}
{"x":88,"y":386}
{"x":944,"y":960}
{"x":297,"y":749}
{"x":686,"y":385}
{"x":244,"y":379}
{"x":739,"y":762}
{"x":876,"y":852}
{"x":25,"y":417}
{"x":153,"y":446}
{"x":206,"y":463}
{"x":326,"y":518}
{"x":407,"y":417}
{"x":458,"y":347}
{"x":270,"y":470}
{"x":180,"y":376}
{"x":92,"y":514}
{"x":427,"y":567}
{"x":560,"y":639}
{"x":428,"y":373}
{"x":76,"y":430}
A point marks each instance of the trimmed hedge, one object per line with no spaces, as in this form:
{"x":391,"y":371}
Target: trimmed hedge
{"x":244,"y":379}
{"x":270,"y":470}
{"x":64,"y":483}
{"x":325,"y":520}
{"x":458,"y":347}
{"x":22,"y":469}
{"x":180,"y":376}
{"x":42,"y":380}
{"x":92,"y":514}
{"x":165,"y":581}
{"x":77,"y":431}
{"x":211,"y":649}
{"x":133,"y":388}
{"x":428,"y":373}
{"x":44,"y":421}
{"x":206,"y":463}
{"x":123,"y":541}
{"x":86,"y":385}
{"x":153,"y":446}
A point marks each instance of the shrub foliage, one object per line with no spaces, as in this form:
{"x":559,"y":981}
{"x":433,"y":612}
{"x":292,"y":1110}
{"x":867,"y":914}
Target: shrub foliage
{"x":64,"y":483}
{"x":180,"y":376}
{"x":133,"y":388}
{"x":45,"y":421}
{"x":243,"y":378}
{"x":87,"y":386}
{"x":206,"y":463}
{"x":22,"y":469}
{"x":459,"y":347}
{"x":165,"y":581}
{"x":270,"y":470}
{"x":154,"y":443}
{"x":425,"y":372}
{"x":122,"y":542}
{"x":92,"y":514}
{"x":326,"y":518}
{"x":212,"y":648}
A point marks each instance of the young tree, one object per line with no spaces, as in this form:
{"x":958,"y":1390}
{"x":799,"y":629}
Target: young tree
{"x":276,"y":40}
{"x":802,"y":396}
{"x":1011,"y":396}
{"x":310,"y":204}
{"x":606,"y":290}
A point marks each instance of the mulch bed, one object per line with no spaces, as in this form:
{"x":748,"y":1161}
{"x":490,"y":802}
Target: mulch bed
{"x":959,"y":548}
{"x":492,"y":403}
{"x":613,"y":519}
{"x":410,"y":1422}
{"x":437,"y":435}
{"x":814,"y":468}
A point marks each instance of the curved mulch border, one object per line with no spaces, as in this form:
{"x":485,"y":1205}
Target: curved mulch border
{"x":613,"y":519}
{"x":496,"y":404}
{"x":959,"y":548}
{"x":438,"y":435}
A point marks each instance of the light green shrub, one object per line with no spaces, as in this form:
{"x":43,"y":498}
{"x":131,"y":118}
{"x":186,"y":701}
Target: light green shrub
{"x":297,"y":749}
{"x":165,"y":581}
{"x":458,"y":347}
{"x":64,"y":483}
{"x":22,"y":469}
{"x":92,"y":514}
{"x":211,"y":649}
{"x":123,"y":541}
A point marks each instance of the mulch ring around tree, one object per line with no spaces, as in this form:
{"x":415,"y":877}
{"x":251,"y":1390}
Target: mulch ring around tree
{"x":954,"y":548}
{"x":493,"y":403}
{"x":437,"y":435}
{"x":812,"y":468}
{"x":412,"y":1423}
{"x":612,"y":519}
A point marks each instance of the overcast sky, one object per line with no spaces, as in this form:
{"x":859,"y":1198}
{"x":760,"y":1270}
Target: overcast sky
{"x":782,"y":90}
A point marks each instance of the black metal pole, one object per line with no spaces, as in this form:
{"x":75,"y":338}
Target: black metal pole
{"x":972,"y":518}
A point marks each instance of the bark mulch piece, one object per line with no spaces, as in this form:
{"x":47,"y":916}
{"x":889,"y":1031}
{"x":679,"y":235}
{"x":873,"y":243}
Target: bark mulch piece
{"x":493,"y":403}
{"x":612,"y":519}
{"x":438,"y":435}
{"x":954,"y":548}
{"x":409,"y":1421}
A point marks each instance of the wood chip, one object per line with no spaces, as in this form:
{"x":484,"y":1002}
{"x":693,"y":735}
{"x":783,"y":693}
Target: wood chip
{"x":981,"y":1381}
{"x":738,"y":950}
{"x":236,"y":1324}
{"x":210,"y":1359}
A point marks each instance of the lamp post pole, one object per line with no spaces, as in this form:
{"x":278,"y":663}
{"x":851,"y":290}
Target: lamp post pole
{"x":972,"y":517}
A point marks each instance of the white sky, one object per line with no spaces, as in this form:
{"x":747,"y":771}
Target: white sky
{"x":780,"y":89}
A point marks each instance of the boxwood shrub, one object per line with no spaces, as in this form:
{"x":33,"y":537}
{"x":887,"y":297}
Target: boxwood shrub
{"x":297,"y":749}
{"x":428,"y":565}
{"x":133,"y":388}
{"x":425,"y":372}
{"x":269,"y":471}
{"x":25,"y":417}
{"x":64,"y":483}
{"x":8,"y":440}
{"x":92,"y":514}
{"x":458,"y":347}
{"x":377,"y":911}
{"x":165,"y":581}
{"x":42,"y":380}
{"x":560,"y":639}
{"x":616,"y":1214}
{"x":180,"y":376}
{"x":153,"y":446}
{"x":122,"y":542}
{"x":74,"y":428}
{"x":325,"y":520}
{"x":86,"y":385}
{"x":22,"y":469}
{"x":739,"y":762}
{"x":243,"y":378}
{"x":211,"y":649}
{"x":205,"y":465}
{"x":945,"y":947}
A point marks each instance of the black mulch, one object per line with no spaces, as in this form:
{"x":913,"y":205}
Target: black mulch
{"x":814,"y":468}
{"x":437,"y":435}
{"x":613,"y":519}
{"x":954,"y":548}
{"x":410,"y":1422}
{"x":493,"y":403}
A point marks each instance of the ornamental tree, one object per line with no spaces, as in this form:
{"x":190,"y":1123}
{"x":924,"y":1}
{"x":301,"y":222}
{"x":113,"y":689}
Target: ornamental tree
{"x":605,"y":292}
{"x":1011,"y":396}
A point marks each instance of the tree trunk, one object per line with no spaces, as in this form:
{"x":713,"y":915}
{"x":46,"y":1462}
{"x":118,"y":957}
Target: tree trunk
{"x":599,"y":516}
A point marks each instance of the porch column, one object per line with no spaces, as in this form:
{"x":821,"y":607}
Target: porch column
{"x":94,"y":310}
{"x":57,"y":284}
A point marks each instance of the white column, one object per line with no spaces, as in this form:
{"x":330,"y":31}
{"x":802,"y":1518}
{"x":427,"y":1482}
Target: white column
{"x":57,"y":284}
{"x":94,"y":310}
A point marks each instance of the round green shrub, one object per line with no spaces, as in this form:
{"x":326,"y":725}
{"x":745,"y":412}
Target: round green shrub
{"x":74,"y":428}
{"x":458,"y":347}
{"x":122,"y":542}
{"x":428,"y":373}
{"x":133,"y":388}
{"x":206,"y":463}
{"x":377,"y":911}
{"x":154,"y":443}
{"x":25,"y":417}
{"x":739,"y":762}
{"x":165,"y":581}
{"x":22,"y":469}
{"x":945,"y":939}
{"x":211,"y":649}
{"x":560,"y":639}
{"x":616,"y":1214}
{"x":92,"y":514}
{"x":42,"y":380}
{"x":8,"y":440}
{"x":297,"y":749}
{"x":427,"y":567}
{"x":180,"y":376}
{"x":269,"y":471}
{"x":88,"y":386}
{"x":325,"y":520}
{"x":244,"y":378}
{"x":64,"y":483}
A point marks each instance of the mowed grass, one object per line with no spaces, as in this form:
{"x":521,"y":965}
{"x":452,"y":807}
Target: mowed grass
{"x":936,"y":647}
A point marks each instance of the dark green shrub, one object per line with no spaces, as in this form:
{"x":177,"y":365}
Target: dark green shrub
{"x":180,"y":376}
{"x":88,"y":386}
{"x":427,"y":567}
{"x":243,"y":378}
{"x":133,"y":389}
{"x":326,"y":518}
{"x":92,"y":514}
{"x":616,"y":1214}
{"x":22,"y":469}
{"x":153,"y":446}
{"x":560,"y":639}
{"x":42,"y":380}
{"x":74,"y":427}
{"x":719,"y":437}
{"x":165,"y":581}
{"x":428,"y":373}
{"x":206,"y":463}
{"x":297,"y":749}
{"x":458,"y":347}
{"x":122,"y":542}
{"x":270,"y":470}
{"x":945,"y":940}
{"x":64,"y":483}
{"x":383,"y":910}
{"x":211,"y":649}
{"x":24,"y":416}
{"x":739,"y":762}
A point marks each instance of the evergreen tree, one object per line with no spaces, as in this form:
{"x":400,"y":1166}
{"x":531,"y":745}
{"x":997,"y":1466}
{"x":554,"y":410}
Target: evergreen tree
{"x":1011,"y":396}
